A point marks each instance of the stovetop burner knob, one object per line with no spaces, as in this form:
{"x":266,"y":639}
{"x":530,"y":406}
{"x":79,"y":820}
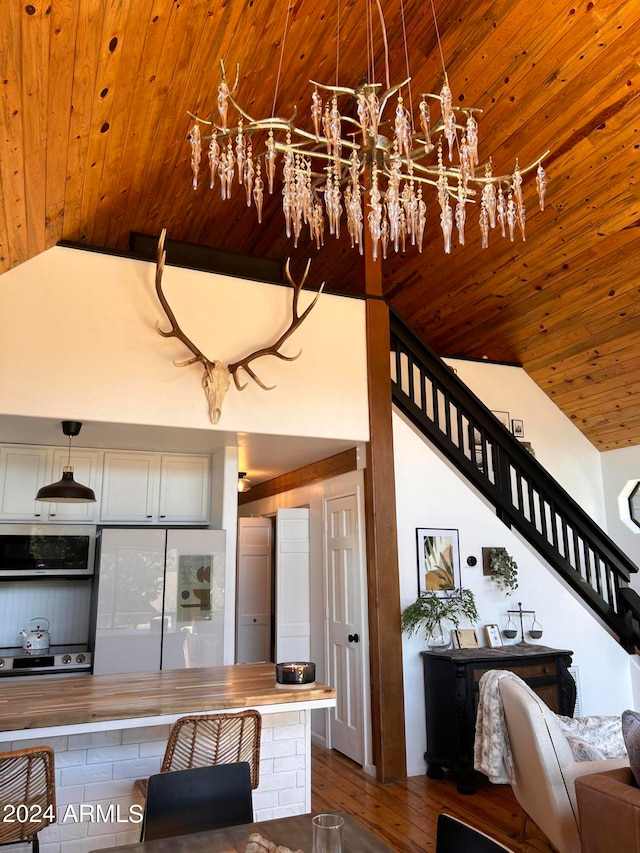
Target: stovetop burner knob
{"x":1,"y":662}
{"x":80,"y":658}
{"x":66,"y":658}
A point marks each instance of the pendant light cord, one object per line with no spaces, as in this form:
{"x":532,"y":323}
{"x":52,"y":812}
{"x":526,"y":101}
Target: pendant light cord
{"x":284,"y":38}
{"x":406,"y":57}
{"x":435,"y":24}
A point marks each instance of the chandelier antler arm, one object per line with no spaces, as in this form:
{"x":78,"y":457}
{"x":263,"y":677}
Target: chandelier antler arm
{"x":385,"y":97}
{"x":224,"y":76}
{"x":338,"y":90}
{"x":506,"y":179}
{"x":296,"y":321}
{"x":175,"y":331}
{"x":200,"y":120}
{"x":320,"y":155}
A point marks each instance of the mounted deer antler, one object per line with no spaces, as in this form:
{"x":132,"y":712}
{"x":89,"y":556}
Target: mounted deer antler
{"x":216,"y":377}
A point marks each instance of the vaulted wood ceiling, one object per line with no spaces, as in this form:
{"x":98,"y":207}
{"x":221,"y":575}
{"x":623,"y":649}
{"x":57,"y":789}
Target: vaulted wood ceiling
{"x":95,"y":97}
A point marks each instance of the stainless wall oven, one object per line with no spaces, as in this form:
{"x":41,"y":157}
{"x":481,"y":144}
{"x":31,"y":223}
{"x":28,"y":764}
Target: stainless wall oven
{"x":46,"y":550}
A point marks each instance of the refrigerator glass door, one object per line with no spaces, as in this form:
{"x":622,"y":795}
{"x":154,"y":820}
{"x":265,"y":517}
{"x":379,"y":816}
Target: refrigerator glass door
{"x":194,"y":599}
{"x":130,"y":601}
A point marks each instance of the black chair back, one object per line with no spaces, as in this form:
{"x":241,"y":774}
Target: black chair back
{"x":455,"y":836}
{"x":184,"y":801}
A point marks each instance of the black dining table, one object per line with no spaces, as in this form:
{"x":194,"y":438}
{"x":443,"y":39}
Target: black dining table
{"x":292,"y":832}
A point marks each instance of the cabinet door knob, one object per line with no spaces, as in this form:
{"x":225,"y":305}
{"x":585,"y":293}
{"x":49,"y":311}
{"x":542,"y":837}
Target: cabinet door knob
{"x":353,"y":638}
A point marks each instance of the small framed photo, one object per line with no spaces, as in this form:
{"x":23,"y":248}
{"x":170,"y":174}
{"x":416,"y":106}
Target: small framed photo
{"x":464,"y":638}
{"x":438,"y":559}
{"x":503,"y":417}
{"x":493,"y":636}
{"x":517,"y":428}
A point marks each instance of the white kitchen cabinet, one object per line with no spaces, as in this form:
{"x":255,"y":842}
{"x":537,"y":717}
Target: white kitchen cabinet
{"x":87,"y":470}
{"x":145,"y":488}
{"x":184,"y":489}
{"x":23,"y":470}
{"x":129,"y":487}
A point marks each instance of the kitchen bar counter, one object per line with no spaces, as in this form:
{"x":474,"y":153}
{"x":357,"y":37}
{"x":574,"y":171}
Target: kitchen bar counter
{"x":109,"y":730}
{"x":149,"y":697}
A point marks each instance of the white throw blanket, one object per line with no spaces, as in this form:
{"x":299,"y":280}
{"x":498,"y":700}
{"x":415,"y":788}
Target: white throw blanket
{"x":491,"y":750}
{"x":590,"y":738}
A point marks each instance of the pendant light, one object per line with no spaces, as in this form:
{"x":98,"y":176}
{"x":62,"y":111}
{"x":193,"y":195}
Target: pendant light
{"x":67,"y":490}
{"x":244,"y":483}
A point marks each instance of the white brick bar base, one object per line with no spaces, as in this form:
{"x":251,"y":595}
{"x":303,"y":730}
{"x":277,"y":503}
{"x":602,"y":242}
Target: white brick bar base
{"x":97,"y":767}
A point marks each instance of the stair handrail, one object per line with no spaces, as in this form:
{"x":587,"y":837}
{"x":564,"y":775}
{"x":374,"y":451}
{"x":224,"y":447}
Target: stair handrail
{"x":513,"y":460}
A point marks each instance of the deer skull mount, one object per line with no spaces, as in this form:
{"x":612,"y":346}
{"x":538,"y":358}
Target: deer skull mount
{"x":217,"y":376}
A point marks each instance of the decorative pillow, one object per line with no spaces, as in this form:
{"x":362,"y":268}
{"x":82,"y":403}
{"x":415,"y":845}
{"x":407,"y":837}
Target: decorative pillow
{"x":631,"y":734}
{"x":593,"y":738}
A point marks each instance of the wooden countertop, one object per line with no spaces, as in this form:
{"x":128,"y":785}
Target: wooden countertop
{"x":33,"y":703}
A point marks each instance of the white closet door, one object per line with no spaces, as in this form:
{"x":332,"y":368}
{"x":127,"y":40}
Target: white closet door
{"x":293,"y":620}
{"x":255,"y":584}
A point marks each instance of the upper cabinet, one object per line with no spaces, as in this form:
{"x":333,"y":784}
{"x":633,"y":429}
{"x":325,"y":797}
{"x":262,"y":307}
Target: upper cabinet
{"x":153,"y":487}
{"x":23,"y":470}
{"x":130,"y":487}
{"x":184,"y":489}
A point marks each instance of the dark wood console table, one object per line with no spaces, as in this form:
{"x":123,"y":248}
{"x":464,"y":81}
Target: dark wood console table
{"x":451,"y":698}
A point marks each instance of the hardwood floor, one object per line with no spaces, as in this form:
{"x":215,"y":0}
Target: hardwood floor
{"x":404,"y":814}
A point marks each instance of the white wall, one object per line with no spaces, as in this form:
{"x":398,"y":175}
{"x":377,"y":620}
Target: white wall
{"x":430,"y":494}
{"x":618,"y":467}
{"x":78,"y":339}
{"x":559,"y":445}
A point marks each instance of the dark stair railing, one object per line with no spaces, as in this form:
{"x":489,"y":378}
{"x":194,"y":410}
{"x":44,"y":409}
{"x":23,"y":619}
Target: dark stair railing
{"x":525,"y":496}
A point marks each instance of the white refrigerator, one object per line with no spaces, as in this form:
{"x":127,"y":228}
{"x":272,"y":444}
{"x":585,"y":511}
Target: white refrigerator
{"x":159,"y":599}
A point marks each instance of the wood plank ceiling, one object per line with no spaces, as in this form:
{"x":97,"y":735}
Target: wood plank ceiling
{"x":95,"y":97}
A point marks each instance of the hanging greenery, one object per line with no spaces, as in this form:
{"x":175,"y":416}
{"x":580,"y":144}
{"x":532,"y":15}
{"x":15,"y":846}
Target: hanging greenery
{"x":504,"y":570}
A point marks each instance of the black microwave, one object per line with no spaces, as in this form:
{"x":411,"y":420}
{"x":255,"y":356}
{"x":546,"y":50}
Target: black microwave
{"x":46,"y":550}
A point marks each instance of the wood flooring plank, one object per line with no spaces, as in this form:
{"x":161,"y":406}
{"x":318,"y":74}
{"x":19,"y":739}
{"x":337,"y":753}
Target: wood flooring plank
{"x":404,"y":814}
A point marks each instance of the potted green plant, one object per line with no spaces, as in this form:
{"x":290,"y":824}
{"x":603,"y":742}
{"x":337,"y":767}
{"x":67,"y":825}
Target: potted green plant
{"x":431,"y":609}
{"x":503,"y":570}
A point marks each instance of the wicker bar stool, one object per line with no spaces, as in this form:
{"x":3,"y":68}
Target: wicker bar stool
{"x":27,"y":794}
{"x":203,"y":739}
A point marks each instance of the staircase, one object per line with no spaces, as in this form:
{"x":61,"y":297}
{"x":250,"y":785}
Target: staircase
{"x":525,"y":496}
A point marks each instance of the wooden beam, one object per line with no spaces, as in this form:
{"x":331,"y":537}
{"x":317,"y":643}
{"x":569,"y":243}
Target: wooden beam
{"x":332,"y":466}
{"x":383,"y":578}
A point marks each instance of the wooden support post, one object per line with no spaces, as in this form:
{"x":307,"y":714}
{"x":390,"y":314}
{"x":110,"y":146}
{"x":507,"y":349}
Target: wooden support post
{"x":385,"y":638}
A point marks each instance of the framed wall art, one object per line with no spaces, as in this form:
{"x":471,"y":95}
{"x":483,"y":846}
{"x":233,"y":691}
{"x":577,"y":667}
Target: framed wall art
{"x":438,"y":559}
{"x":503,"y":417}
{"x":517,"y":428}
{"x":493,"y":636}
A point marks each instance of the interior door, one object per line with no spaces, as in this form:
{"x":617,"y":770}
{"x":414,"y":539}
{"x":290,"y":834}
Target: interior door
{"x":255,"y":590}
{"x":344,"y":629}
{"x":293,"y":619}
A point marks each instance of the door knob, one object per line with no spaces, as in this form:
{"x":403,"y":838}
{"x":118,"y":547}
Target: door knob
{"x":353,"y":638}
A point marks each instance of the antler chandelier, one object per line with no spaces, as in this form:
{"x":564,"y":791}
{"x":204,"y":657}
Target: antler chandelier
{"x":365,"y":164}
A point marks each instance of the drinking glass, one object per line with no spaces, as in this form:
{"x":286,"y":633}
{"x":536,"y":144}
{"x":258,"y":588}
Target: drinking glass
{"x":328,"y":832}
